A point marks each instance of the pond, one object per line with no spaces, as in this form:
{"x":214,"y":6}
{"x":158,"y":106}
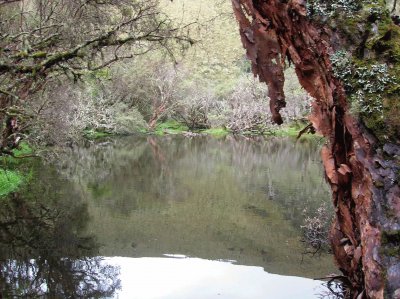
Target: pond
{"x":167,"y":217}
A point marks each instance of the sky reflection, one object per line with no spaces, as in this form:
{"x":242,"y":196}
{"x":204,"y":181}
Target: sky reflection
{"x":183,"y":278}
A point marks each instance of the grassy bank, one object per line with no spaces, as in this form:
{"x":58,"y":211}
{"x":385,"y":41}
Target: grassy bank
{"x":15,"y":171}
{"x":93,"y":134}
{"x":172,"y":127}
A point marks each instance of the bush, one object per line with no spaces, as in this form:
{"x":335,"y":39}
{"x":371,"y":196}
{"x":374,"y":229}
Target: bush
{"x":248,"y":108}
{"x":193,"y":106}
{"x":316,"y":228}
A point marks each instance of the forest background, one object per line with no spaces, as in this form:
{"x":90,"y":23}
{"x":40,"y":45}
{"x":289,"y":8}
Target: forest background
{"x":205,"y":85}
{"x":70,"y":73}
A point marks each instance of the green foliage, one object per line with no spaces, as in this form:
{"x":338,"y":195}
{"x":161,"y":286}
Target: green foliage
{"x":23,"y":149}
{"x":15,"y":170}
{"x":286,"y":132}
{"x":217,"y":132}
{"x":129,"y":121}
{"x":9,"y":181}
{"x":292,"y":130}
{"x":207,"y":86}
{"x":93,"y":134}
{"x":217,"y":57}
{"x":170,"y":127}
{"x":373,"y":78}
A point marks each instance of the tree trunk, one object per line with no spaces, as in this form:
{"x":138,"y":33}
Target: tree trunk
{"x":361,"y":166}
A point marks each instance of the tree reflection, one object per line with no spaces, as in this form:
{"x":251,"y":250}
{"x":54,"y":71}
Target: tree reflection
{"x":44,"y":252}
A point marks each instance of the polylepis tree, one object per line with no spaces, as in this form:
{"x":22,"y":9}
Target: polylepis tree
{"x":46,"y":40}
{"x":347,"y":56}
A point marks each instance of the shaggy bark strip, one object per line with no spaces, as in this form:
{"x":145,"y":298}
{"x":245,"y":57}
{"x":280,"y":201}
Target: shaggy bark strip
{"x":365,"y":193}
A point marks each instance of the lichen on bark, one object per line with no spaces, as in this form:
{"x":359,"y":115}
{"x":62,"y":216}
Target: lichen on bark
{"x":361,"y":157}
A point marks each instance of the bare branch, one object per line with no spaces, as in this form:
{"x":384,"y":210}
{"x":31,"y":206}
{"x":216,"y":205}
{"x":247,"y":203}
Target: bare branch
{"x":4,"y":2}
{"x":7,"y":93}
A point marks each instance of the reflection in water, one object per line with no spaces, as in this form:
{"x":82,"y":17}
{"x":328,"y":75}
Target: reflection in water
{"x":194,"y":278}
{"x":43,"y":252}
{"x":232,"y":198}
{"x":213,"y":199}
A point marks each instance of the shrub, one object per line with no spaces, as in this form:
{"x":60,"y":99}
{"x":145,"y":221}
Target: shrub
{"x":316,"y":227}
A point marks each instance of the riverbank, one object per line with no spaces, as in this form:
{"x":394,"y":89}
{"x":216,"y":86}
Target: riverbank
{"x":15,"y":170}
{"x":172,"y":127}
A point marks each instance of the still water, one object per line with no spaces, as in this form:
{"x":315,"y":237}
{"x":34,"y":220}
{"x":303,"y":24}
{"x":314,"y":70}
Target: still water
{"x":166,"y":217}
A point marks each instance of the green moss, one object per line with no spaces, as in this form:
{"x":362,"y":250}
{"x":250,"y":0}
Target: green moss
{"x":382,"y":119}
{"x":103,"y":73}
{"x":39,"y":54}
{"x":386,"y":45}
{"x":9,"y":181}
{"x":373,"y":84}
{"x":143,"y":130}
{"x":385,"y":125}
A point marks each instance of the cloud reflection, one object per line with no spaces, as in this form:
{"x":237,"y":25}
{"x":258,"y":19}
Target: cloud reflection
{"x":182,"y":278}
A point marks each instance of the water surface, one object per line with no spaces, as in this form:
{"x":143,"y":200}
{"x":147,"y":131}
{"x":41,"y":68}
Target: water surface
{"x":231,"y":207}
{"x":194,"y":278}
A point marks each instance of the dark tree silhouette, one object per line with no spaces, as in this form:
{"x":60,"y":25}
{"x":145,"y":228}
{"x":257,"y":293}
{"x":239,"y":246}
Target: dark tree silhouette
{"x":44,"y":252}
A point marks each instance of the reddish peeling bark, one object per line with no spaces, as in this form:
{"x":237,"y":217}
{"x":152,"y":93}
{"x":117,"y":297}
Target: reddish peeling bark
{"x":365,"y":194}
{"x":158,"y":111}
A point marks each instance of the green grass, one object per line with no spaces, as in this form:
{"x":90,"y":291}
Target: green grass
{"x":170,"y":127}
{"x":292,"y":130}
{"x":174,"y":127}
{"x":10,"y":180}
{"x":143,"y":130}
{"x":286,"y":132}
{"x":93,"y":134}
{"x":217,"y":132}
